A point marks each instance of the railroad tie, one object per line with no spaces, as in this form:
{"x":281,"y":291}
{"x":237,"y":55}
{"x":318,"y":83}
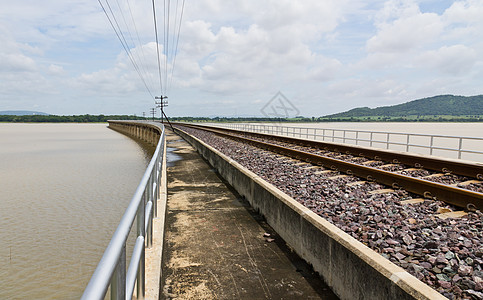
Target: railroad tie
{"x":412,"y":201}
{"x":451,"y":214}
{"x":324,"y":172}
{"x":388,"y":165}
{"x":465,"y":183}
{"x":433,"y":175}
{"x":338,"y":176}
{"x":381,"y":191}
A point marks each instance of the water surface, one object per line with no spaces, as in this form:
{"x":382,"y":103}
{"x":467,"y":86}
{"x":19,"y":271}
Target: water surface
{"x":64,"y":188}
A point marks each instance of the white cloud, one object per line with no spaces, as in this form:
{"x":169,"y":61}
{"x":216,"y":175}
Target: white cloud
{"x":16,"y":62}
{"x":56,"y":70}
{"x":453,"y":60}
{"x":464,"y":12}
{"x":327,"y":55}
{"x":403,"y":27}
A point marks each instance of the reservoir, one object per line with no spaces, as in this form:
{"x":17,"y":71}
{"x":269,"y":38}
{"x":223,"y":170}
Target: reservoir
{"x":64,"y":188}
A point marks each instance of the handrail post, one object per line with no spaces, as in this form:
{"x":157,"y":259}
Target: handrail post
{"x":460,"y":145}
{"x":431,"y":146}
{"x":118,"y":280}
{"x":140,"y":232}
{"x":387,"y":140}
{"x":407,"y":142}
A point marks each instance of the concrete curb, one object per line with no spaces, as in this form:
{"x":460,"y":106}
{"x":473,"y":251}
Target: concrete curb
{"x":350,"y":268}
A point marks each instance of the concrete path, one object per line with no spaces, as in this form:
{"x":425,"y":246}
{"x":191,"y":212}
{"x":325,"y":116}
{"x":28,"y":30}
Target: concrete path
{"x":215,"y":246}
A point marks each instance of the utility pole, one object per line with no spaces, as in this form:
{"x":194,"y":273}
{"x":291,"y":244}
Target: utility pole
{"x":153,"y":112}
{"x":144,"y":115}
{"x":161,"y":104}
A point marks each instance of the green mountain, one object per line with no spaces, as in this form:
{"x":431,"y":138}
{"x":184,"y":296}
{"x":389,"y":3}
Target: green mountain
{"x":21,"y":113}
{"x":447,"y":105}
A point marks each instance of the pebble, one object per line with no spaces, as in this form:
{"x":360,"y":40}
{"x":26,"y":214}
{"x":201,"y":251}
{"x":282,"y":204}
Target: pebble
{"x":465,"y":270}
{"x":449,"y":255}
{"x":442,"y":277}
{"x":476,"y":294}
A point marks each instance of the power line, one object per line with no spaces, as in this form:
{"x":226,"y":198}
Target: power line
{"x":144,"y":62}
{"x":166,"y":51}
{"x":177,"y":41}
{"x":124,"y":44}
{"x":171,"y":37}
{"x":157,"y":47}
{"x":133,"y":53}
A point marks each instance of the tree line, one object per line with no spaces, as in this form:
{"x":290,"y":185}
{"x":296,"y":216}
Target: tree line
{"x":103,"y":118}
{"x":65,"y":119}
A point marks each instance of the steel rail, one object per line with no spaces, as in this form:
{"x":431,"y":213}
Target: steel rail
{"x":473,"y":170}
{"x":428,"y":189}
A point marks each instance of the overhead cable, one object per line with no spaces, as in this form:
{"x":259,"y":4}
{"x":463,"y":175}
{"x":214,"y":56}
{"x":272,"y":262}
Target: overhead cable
{"x":123,"y":41}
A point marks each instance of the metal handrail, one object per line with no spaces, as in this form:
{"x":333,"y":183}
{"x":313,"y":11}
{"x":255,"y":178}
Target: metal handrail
{"x":371,"y":137}
{"x":111,"y":270}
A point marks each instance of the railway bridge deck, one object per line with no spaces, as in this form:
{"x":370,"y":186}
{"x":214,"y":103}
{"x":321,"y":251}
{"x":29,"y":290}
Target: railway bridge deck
{"x":217,"y":247}
{"x":232,"y":232}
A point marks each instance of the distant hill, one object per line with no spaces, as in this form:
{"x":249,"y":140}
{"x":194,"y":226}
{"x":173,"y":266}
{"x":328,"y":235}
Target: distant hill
{"x":437,"y":105}
{"x":22,"y":113}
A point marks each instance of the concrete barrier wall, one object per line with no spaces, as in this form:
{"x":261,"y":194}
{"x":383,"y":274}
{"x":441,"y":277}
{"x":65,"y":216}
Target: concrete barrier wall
{"x":145,"y":131}
{"x":349,"y":267}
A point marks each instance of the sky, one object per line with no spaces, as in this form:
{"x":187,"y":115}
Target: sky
{"x":236,"y":58}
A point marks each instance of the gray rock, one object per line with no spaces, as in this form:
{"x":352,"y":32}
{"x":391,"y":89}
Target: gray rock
{"x":417,"y":268}
{"x":449,"y":255}
{"x":469,"y":261}
{"x":426,"y":265}
{"x":475,"y":294}
{"x":443,"y":277}
{"x":465,"y":270}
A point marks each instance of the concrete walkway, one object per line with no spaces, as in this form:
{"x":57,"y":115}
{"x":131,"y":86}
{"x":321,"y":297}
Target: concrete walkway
{"x":216,"y":247}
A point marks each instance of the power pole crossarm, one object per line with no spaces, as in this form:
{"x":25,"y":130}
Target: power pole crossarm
{"x":161,"y":104}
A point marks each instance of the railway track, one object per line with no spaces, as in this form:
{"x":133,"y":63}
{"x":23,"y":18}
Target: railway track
{"x":434,"y":241}
{"x":455,"y":182}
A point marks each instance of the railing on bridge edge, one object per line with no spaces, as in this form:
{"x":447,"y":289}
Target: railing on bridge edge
{"x":111,"y":270}
{"x":358,"y":137}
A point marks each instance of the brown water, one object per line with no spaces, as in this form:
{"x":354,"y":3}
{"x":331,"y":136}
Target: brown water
{"x":63,"y":190}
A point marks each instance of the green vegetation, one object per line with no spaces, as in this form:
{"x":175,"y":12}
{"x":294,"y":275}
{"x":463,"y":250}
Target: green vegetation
{"x":65,"y":119}
{"x":410,"y":118}
{"x":438,"y":108}
{"x":445,"y":108}
{"x":240,"y":119}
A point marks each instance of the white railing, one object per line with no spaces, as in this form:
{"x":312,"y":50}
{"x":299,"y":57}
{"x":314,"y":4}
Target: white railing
{"x":440,"y":145}
{"x":111,"y":270}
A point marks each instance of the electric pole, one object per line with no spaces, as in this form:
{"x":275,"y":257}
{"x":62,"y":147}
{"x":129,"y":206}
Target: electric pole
{"x":161,"y":104}
{"x":153,"y":112}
